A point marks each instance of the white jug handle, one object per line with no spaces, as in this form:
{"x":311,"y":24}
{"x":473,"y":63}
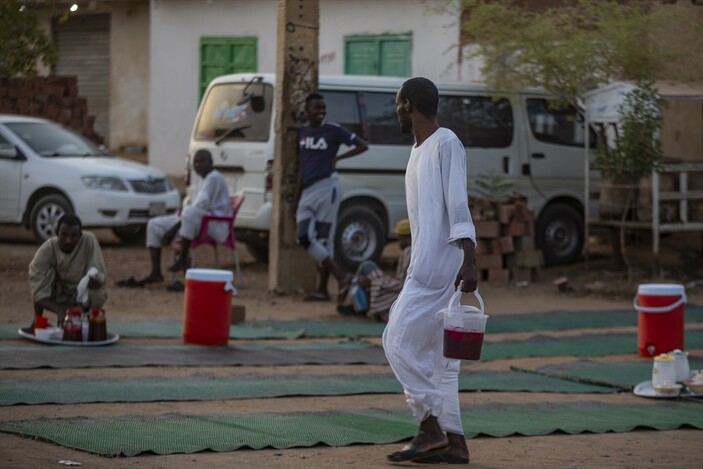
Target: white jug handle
{"x":230,"y":287}
{"x":661,"y":309}
{"x":480,"y":301}
{"x":456,"y":299}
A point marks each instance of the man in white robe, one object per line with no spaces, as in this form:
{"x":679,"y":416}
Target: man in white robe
{"x":442,"y":259}
{"x":210,"y":197}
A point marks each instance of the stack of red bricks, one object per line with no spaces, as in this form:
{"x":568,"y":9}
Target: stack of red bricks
{"x":53,"y":97}
{"x":505,"y":249}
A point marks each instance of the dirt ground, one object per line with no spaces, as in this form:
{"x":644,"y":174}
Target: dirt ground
{"x":592,"y":286}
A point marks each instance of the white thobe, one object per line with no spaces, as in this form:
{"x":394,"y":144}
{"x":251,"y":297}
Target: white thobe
{"x":210,"y":197}
{"x":438,"y":209}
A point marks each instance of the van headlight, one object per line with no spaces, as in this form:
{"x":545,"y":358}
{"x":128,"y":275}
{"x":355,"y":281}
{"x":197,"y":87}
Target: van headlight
{"x":104,"y":183}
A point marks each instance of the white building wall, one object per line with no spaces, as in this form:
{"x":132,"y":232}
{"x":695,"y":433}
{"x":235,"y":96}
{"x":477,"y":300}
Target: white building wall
{"x":176,"y":29}
{"x":177,"y":26}
{"x":129,"y":75}
{"x":433,"y":24}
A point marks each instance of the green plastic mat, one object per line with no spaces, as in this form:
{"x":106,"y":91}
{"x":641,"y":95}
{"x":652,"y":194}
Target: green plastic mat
{"x":256,"y":354}
{"x":178,"y":433}
{"x":623,"y":375}
{"x":550,"y":321}
{"x":203,"y":387}
{"x":259,"y":330}
{"x":171,"y":328}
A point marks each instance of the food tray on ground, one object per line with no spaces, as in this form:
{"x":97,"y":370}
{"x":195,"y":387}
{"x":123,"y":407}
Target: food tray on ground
{"x":645,"y":389}
{"x":28,"y":333}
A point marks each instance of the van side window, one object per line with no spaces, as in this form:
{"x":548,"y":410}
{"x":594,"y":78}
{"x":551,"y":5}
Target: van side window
{"x":563,"y":126}
{"x":343,"y":109}
{"x":383,"y":120}
{"x":478,"y":121}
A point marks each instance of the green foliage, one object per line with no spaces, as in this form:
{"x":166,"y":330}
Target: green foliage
{"x":637,"y":149}
{"x":572,"y":48}
{"x":22,"y":41}
{"x":494,"y":186}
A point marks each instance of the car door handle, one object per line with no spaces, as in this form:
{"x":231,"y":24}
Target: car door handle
{"x":506,"y":164}
{"x":537,"y":155}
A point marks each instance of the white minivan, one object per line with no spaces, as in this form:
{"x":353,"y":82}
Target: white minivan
{"x":521,"y":137}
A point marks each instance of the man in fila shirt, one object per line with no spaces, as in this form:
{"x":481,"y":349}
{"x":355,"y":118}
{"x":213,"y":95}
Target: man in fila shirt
{"x":320,"y":191}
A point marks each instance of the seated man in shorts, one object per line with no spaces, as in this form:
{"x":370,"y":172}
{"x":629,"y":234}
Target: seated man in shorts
{"x":210,"y":197}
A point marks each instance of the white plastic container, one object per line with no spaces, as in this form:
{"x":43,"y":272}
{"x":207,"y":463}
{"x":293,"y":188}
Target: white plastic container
{"x":464,"y":328}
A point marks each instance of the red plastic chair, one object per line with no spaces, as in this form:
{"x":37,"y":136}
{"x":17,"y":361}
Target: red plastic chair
{"x":229,"y":242}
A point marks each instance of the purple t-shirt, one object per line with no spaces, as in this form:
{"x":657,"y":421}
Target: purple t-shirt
{"x":318,"y":148}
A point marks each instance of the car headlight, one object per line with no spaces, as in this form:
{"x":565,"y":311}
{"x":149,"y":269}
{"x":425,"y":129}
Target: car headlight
{"x":104,"y":183}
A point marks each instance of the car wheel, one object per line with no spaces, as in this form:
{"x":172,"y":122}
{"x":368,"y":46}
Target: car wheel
{"x":560,"y":234}
{"x":45,"y":215}
{"x":130,"y":234}
{"x":360,"y":236}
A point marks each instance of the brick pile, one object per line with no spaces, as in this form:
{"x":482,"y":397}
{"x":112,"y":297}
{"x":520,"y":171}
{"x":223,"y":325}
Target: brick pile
{"x":505,"y":249}
{"x":53,"y":97}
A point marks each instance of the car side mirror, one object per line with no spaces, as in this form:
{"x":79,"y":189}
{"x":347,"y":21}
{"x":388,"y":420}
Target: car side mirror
{"x":104,"y":149}
{"x":8,"y":151}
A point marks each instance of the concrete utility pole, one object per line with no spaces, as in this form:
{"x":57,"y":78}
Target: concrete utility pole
{"x":297,"y":67}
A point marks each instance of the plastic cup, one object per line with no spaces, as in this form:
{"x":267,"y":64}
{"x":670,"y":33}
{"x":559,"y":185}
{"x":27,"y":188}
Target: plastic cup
{"x":40,"y":322}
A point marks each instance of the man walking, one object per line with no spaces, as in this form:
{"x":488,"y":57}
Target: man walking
{"x":442,"y":259}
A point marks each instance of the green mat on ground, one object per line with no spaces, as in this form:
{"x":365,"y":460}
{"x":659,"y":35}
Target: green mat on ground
{"x":255,"y":354}
{"x":624,"y":374}
{"x":551,"y":321}
{"x":202,"y":387}
{"x":172,"y":328}
{"x":178,"y":433}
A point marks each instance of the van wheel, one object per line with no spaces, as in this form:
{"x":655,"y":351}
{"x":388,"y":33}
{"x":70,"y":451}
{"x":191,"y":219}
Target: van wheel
{"x":360,"y":236}
{"x":560,"y":234}
{"x":45,"y":215}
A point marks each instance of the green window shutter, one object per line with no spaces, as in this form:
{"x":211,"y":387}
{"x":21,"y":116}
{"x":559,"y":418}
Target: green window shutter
{"x":395,"y":58}
{"x":387,"y":55}
{"x":361,"y":57}
{"x":223,"y":55}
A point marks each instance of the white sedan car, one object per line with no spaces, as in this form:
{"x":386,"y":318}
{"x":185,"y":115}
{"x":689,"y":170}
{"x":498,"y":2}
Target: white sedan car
{"x":47,"y":170}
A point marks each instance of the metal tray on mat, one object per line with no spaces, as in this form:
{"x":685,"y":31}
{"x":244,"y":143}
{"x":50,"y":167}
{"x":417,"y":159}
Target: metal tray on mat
{"x":28,"y":333}
{"x":645,"y":389}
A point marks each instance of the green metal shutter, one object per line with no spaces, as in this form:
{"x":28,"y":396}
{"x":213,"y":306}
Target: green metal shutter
{"x":223,"y":55}
{"x":361,"y":57}
{"x":387,"y":55}
{"x":395,"y":58}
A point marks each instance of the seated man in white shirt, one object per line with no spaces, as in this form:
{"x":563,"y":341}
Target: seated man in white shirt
{"x":210,"y":197}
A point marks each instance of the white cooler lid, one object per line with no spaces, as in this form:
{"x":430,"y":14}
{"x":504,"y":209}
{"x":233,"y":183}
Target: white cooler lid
{"x":661,"y":289}
{"x":209,"y":275}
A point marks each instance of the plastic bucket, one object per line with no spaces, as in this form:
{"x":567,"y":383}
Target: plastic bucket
{"x":207,"y":306}
{"x":660,"y":318}
{"x":464,"y":327}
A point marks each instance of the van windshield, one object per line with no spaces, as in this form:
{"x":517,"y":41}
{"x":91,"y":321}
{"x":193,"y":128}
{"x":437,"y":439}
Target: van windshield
{"x":231,"y":114}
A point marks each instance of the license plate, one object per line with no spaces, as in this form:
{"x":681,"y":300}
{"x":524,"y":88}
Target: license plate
{"x":157,"y":208}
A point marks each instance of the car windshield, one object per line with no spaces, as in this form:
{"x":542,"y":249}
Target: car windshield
{"x":234,"y":111}
{"x":53,"y":140}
